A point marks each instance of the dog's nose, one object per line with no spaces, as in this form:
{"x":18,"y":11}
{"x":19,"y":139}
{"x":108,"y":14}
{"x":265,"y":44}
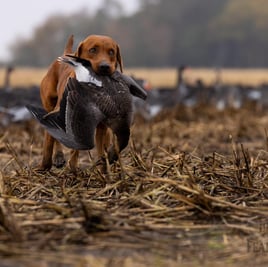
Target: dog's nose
{"x":104,"y":68}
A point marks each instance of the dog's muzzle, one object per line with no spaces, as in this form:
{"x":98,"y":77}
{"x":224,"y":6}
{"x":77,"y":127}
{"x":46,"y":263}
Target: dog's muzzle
{"x":104,"y":69}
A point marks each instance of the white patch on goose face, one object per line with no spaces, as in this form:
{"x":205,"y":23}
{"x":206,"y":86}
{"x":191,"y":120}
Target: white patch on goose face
{"x":83,"y":75}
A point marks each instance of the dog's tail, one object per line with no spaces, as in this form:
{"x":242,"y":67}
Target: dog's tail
{"x":69,"y":45}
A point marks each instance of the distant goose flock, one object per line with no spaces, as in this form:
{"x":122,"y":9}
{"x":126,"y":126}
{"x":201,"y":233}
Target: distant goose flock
{"x":218,"y":95}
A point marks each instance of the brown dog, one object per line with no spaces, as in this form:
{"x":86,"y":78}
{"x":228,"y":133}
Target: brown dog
{"x":104,"y":54}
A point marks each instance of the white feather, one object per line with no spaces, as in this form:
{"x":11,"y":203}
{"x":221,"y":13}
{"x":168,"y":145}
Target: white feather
{"x":83,"y":75}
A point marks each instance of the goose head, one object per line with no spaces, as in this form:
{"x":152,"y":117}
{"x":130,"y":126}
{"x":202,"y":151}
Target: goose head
{"x":82,"y":68}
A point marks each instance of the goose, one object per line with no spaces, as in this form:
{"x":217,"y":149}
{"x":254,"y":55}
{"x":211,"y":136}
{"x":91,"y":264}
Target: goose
{"x":162,"y":98}
{"x":90,"y":99}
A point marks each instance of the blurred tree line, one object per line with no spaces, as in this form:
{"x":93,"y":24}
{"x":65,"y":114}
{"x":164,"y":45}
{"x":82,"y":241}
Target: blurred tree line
{"x":224,"y":33}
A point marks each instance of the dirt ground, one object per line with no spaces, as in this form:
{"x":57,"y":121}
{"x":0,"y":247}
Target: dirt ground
{"x":191,"y":189}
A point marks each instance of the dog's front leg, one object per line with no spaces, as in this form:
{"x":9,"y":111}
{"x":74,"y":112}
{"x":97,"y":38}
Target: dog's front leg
{"x":73,"y":162}
{"x":47,"y":152}
{"x":58,"y":159}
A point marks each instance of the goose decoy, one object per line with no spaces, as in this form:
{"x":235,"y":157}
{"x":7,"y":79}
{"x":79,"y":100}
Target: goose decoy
{"x":90,"y":99}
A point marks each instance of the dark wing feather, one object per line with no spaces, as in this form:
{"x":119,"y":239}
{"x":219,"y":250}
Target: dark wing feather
{"x":51,"y":123}
{"x":82,"y":113}
{"x":46,"y":119}
{"x":37,"y":112}
{"x":134,"y":88}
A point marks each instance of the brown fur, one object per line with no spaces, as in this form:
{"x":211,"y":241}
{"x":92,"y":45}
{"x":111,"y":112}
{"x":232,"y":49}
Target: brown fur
{"x":104,"y":54}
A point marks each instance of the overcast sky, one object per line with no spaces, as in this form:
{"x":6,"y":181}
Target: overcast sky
{"x":20,"y":17}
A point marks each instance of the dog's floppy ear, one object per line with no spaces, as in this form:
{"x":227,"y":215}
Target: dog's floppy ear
{"x":79,"y":50}
{"x":119,"y":58}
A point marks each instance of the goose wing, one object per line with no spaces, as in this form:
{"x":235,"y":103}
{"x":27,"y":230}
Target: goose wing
{"x":82,"y":113}
{"x":50,"y":120}
{"x":75,"y":123}
{"x":54,"y":126}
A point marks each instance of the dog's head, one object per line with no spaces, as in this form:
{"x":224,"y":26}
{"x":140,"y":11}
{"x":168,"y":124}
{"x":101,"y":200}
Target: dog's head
{"x":103,"y":53}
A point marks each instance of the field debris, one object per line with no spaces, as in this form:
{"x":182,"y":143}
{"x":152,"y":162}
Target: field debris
{"x":191,"y":187}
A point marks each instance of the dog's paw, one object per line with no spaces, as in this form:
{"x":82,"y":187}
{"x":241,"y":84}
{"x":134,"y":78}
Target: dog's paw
{"x":59,"y":160}
{"x":41,"y":168}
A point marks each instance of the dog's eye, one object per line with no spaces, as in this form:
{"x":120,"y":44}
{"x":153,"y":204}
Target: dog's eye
{"x":111,"y":52}
{"x":93,"y":50}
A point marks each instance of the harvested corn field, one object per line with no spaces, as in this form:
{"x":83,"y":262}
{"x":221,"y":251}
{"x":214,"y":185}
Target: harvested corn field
{"x":191,"y":189}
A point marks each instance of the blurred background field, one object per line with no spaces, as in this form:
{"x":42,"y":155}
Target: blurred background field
{"x":157,"y":77}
